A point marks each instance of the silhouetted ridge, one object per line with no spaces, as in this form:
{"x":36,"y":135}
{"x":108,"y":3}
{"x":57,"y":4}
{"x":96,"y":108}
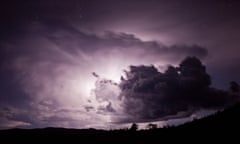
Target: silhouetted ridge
{"x":226,"y":119}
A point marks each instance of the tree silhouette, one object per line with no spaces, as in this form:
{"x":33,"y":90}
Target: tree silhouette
{"x":152,"y":126}
{"x":133,"y":127}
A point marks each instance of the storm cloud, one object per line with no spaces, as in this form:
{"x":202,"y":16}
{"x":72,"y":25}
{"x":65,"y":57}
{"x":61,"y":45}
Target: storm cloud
{"x":176,"y":93}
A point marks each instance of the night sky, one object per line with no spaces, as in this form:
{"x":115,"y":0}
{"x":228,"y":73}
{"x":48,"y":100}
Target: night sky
{"x":61,"y":62}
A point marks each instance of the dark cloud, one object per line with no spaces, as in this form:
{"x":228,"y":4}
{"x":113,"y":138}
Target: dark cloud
{"x":95,"y":75}
{"x":74,"y":41}
{"x":178,"y":92}
{"x":123,"y":43}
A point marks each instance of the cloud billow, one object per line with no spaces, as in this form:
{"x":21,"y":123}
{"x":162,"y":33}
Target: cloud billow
{"x":178,"y":92}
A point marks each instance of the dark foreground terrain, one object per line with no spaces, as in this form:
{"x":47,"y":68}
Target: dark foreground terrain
{"x":223,"y":125}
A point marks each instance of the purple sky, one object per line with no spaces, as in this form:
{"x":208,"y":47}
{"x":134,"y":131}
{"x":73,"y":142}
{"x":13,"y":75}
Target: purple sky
{"x":49,"y":50}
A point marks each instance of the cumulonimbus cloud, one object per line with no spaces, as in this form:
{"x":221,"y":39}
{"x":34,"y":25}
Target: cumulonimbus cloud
{"x":178,"y":92}
{"x":55,"y":64}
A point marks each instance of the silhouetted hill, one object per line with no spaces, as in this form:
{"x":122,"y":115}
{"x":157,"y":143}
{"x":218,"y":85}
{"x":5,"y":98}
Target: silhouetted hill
{"x":222,"y":125}
{"x":226,"y":119}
